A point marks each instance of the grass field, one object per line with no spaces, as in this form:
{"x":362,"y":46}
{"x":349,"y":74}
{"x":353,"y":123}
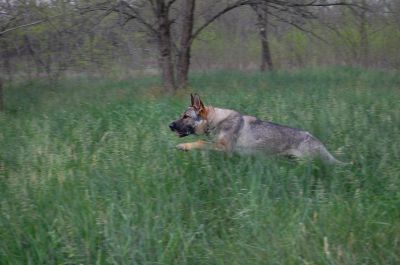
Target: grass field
{"x":89,"y":173}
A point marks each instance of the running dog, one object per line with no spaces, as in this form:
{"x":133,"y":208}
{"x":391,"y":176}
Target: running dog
{"x":234,"y":132}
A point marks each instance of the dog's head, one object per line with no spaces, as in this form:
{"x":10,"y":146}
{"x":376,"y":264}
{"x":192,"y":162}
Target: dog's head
{"x":193,"y":120}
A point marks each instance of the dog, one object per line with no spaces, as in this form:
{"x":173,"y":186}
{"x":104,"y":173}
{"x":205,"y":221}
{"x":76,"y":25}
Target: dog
{"x":234,"y":132}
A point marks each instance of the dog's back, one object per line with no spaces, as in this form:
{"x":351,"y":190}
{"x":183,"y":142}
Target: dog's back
{"x":257,"y":136}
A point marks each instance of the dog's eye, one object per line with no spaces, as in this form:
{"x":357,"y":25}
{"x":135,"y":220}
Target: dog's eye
{"x":185,"y":116}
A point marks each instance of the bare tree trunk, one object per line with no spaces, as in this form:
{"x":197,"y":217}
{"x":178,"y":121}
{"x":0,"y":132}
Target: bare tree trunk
{"x":262,"y":23}
{"x":6,"y":59}
{"x":364,"y":44}
{"x":36,"y":57}
{"x":1,"y":95}
{"x":165,"y":47}
{"x":165,"y":61}
{"x":185,"y":43}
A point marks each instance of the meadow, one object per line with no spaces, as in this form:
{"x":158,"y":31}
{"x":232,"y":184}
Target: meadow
{"x":89,"y":173}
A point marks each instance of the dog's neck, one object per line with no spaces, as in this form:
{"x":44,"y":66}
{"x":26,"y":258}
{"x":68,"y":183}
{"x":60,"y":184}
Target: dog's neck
{"x":215,"y":116}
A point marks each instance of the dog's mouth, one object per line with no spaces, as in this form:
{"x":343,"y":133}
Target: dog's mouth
{"x":182,"y":134}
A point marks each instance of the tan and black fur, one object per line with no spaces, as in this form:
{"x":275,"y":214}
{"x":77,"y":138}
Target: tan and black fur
{"x":234,"y":132}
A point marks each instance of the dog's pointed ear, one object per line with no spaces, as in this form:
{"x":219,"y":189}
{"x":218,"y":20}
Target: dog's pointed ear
{"x":196,"y":102}
{"x":191,"y":99}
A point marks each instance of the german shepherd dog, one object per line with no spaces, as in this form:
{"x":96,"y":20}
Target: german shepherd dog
{"x":234,"y":132}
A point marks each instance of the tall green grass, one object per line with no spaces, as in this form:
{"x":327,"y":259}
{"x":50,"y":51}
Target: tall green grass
{"x":89,"y":174}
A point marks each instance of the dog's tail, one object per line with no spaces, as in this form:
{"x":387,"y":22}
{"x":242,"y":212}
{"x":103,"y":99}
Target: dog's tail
{"x":329,"y":159}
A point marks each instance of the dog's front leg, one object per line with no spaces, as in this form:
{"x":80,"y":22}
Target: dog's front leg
{"x":193,"y":145}
{"x":203,"y":145}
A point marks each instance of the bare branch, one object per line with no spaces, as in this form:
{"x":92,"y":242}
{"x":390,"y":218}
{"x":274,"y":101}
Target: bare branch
{"x":170,"y":3}
{"x":220,"y":13}
{"x":284,"y":5}
{"x":298,"y":27}
{"x":122,"y":7}
{"x":309,"y":4}
{"x":22,"y":26}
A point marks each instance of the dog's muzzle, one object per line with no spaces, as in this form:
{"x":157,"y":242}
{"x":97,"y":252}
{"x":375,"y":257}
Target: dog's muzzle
{"x":179,"y":131}
{"x":172,"y":126}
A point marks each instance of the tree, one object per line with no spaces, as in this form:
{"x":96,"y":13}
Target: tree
{"x":11,"y":19}
{"x":73,"y":35}
{"x":1,"y":95}
{"x":185,"y":42}
{"x":361,"y":15}
{"x":261,"y":11}
{"x":174,"y":24}
{"x":357,"y":25}
{"x":157,"y":17}
{"x":293,"y":13}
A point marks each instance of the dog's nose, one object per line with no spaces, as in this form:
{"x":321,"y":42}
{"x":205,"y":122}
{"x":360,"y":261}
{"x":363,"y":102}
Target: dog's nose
{"x":172,"y":126}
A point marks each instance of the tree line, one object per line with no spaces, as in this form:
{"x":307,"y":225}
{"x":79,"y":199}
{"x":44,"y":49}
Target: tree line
{"x":65,"y":37}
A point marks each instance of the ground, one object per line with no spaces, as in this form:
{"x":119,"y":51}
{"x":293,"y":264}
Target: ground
{"x":89,"y":173}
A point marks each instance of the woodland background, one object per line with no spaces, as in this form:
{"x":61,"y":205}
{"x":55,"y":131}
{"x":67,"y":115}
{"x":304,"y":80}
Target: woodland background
{"x":55,"y":38}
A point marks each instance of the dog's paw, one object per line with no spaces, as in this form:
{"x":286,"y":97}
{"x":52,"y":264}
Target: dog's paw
{"x":182,"y":147}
